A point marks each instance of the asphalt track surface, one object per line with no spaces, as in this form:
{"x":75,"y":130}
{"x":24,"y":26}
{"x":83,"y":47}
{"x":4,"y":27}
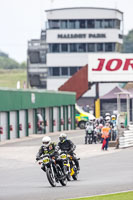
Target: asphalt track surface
{"x":102,"y":172}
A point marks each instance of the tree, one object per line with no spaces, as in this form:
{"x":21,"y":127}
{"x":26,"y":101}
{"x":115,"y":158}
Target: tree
{"x":8,"y":63}
{"x":127,"y":46}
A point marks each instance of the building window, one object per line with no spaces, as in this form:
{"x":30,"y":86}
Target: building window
{"x":91,"y":47}
{"x":55,"y":47}
{"x":120,"y":36}
{"x":54,"y":24}
{"x":34,"y":57}
{"x":73,"y":70}
{"x":64,"y":71}
{"x":72,"y":24}
{"x":42,"y":57}
{"x":63,"y":24}
{"x":90,"y":24}
{"x":117,"y":24}
{"x":56,"y":71}
{"x":108,"y":23}
{"x":81,"y":47}
{"x":64,"y":47}
{"x":73,"y":47}
{"x":99,"y":23}
{"x":100,"y":47}
{"x":82,"y":24}
{"x":109,"y":47}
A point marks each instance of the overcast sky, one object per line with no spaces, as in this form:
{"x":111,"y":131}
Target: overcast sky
{"x":22,"y":20}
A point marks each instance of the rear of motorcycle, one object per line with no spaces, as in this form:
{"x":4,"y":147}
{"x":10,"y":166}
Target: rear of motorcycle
{"x":74,"y":172}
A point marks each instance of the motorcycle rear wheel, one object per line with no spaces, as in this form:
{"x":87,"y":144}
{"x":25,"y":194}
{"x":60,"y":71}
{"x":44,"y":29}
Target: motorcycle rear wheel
{"x":75,"y":177}
{"x":63,"y":181}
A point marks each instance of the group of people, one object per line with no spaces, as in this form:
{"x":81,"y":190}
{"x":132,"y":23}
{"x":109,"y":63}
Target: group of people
{"x":53,"y":149}
{"x":102,"y":129}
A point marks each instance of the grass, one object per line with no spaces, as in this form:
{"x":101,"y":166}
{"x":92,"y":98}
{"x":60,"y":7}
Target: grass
{"x":118,"y":196}
{"x":9,"y":78}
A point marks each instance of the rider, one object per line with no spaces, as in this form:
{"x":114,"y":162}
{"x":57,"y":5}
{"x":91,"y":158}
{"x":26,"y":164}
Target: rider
{"x":113,"y":126}
{"x":67,"y":145}
{"x":89,"y":129}
{"x":48,"y":147}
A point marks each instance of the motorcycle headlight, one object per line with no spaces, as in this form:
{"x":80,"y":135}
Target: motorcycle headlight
{"x":46,"y":160}
{"x":63,"y":156}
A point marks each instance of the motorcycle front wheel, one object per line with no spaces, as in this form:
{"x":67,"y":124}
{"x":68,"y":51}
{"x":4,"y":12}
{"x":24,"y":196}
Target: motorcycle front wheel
{"x":51,"y":178}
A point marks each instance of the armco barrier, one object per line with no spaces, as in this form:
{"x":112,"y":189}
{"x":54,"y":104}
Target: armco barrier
{"x":127,"y":139}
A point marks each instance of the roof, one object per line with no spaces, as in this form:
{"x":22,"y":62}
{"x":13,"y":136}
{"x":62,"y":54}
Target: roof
{"x":129,"y":85}
{"x":57,"y":9}
{"x":113,"y":93}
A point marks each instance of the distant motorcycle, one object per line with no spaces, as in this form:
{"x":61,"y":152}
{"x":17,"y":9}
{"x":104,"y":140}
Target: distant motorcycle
{"x":89,"y":137}
{"x":53,"y":170}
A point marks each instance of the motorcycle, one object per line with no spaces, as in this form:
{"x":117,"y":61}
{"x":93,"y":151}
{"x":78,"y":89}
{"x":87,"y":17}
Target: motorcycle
{"x":53,"y":170}
{"x":71,"y":169}
{"x":88,"y":137}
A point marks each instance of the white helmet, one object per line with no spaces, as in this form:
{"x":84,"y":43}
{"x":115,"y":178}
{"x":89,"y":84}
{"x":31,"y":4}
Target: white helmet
{"x":62,"y":137}
{"x":91,"y":121}
{"x":113,"y":117}
{"x":107,"y":119}
{"x":107,"y":114}
{"x":46,"y":141}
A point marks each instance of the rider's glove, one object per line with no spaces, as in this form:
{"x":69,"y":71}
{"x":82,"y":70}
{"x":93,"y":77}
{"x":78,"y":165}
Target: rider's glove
{"x":37,"y":158}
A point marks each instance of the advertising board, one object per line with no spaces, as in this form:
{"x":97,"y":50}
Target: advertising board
{"x":110,"y":67}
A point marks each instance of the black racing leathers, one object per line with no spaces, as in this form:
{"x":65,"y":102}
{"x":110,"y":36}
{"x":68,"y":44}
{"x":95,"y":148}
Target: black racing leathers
{"x":52,"y":150}
{"x":68,"y":146}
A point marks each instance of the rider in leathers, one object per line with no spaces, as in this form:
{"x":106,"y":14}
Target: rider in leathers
{"x":48,"y":147}
{"x":67,"y":145}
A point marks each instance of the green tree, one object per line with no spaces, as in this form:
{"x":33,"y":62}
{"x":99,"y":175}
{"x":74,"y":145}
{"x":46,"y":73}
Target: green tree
{"x":9,"y":63}
{"x":127,"y":46}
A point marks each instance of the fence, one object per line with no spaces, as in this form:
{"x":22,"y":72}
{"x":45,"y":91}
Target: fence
{"x":126,"y":139}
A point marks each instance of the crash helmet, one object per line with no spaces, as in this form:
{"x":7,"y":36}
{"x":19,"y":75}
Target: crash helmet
{"x":46,"y":141}
{"x":107,"y":114}
{"x":107,"y":119}
{"x":62,"y":137}
{"x":91,"y":121}
{"x":113,"y":117}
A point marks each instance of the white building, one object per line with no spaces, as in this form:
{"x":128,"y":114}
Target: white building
{"x":72,"y":34}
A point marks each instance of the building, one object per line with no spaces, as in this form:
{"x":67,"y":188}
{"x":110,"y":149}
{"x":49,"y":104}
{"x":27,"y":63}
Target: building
{"x":20,"y":111}
{"x":72,"y":34}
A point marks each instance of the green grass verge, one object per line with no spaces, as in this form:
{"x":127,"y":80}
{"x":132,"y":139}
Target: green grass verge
{"x":118,"y":196}
{"x":9,"y":78}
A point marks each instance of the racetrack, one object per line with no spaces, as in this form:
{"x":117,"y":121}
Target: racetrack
{"x":101,"y":172}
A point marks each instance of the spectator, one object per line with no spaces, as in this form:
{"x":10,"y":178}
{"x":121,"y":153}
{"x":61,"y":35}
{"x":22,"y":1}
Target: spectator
{"x":105,"y":136}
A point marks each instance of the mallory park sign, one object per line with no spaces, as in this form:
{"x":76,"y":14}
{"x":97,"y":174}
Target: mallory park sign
{"x":97,"y":35}
{"x":112,"y":67}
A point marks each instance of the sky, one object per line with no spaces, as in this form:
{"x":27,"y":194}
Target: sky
{"x":22,"y":20}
